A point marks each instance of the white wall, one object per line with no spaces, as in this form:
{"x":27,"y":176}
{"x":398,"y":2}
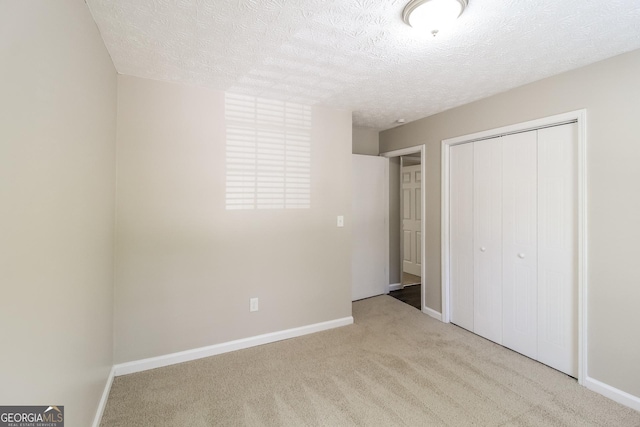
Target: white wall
{"x":365,"y":141}
{"x":57,"y":142}
{"x":186,"y":267}
{"x":610,"y":91}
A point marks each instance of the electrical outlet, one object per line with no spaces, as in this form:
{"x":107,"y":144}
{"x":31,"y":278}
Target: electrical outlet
{"x":253,"y":304}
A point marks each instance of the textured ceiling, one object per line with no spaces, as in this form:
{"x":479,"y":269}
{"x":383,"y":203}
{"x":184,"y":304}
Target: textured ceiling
{"x":358,"y":54}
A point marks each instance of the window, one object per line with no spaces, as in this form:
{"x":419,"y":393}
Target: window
{"x":268,"y":154}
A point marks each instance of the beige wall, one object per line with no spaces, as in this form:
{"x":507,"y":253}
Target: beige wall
{"x":365,"y":141}
{"x":186,"y":267}
{"x":57,"y":142}
{"x":610,"y":91}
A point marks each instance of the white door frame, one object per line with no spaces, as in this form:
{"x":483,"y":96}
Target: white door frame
{"x":403,"y":152}
{"x":581,"y":117}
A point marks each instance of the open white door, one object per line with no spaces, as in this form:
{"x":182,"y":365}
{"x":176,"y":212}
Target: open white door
{"x":411,"y":220}
{"x":369,"y":256}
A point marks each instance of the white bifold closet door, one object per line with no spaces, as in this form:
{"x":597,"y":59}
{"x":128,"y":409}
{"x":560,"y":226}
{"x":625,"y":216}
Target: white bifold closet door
{"x":558,"y":248}
{"x":461,"y":244}
{"x":513,"y":242}
{"x":519,"y":239}
{"x":487,"y":236}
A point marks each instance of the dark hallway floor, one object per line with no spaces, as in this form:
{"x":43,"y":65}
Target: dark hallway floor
{"x":408,"y":295}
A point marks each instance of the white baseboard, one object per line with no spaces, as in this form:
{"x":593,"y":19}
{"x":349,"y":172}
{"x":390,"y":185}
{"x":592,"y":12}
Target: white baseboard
{"x":103,"y":400}
{"x":431,"y":312}
{"x":613,"y":393}
{"x":212,"y":350}
{"x":395,"y":287}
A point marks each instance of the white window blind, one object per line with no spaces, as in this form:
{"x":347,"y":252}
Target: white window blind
{"x":268,"y":153}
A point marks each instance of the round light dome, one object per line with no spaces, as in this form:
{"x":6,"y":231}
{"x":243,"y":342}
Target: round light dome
{"x":432,"y":15}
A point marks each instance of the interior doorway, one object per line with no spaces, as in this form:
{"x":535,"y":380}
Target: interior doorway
{"x":406,"y":227}
{"x":411,"y":219}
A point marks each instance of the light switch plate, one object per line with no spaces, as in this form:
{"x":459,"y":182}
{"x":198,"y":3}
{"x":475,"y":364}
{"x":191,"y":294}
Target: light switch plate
{"x":340,"y":221}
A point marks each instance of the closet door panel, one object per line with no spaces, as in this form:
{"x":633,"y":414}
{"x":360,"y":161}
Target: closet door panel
{"x":557,"y":248}
{"x":519,"y":256}
{"x":461,"y":235}
{"x":487,"y":207}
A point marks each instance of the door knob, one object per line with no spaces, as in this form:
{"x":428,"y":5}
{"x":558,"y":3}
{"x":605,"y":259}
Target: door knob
{"x":482,"y":249}
{"x":520,"y":255}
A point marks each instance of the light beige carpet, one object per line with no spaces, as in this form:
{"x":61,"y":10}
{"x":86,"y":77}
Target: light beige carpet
{"x":394,"y":366}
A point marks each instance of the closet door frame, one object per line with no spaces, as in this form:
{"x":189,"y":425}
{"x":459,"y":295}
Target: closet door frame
{"x":578,"y":116}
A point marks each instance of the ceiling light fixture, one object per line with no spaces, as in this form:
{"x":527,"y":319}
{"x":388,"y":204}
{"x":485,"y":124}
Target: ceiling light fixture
{"x":433,"y":15}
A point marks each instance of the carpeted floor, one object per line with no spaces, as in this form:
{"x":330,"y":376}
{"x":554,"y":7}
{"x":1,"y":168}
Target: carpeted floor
{"x":394,"y":366}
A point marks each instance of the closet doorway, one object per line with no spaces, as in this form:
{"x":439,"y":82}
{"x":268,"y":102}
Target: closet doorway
{"x":513,"y":247}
